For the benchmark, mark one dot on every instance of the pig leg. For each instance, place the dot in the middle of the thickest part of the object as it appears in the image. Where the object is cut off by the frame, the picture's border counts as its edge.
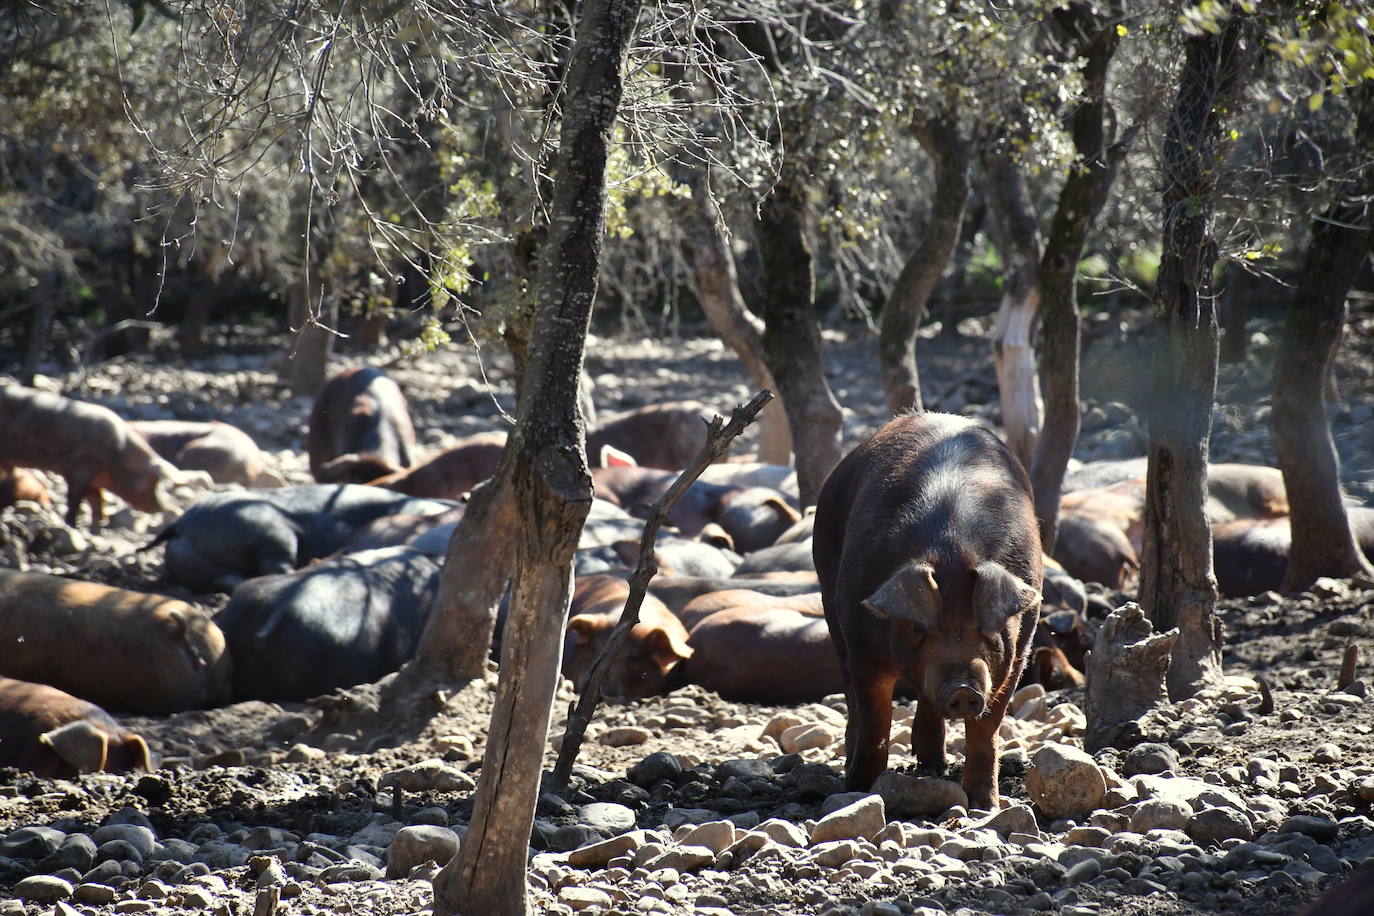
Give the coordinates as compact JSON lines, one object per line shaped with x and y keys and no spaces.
{"x":928,"y":738}
{"x":980,"y":755}
{"x":870,"y":728}
{"x":79,"y":489}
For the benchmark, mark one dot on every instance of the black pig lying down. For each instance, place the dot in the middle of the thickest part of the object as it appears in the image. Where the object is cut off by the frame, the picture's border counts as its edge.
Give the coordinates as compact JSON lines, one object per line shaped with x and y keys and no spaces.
{"x":229,"y":537}
{"x":347,"y":620}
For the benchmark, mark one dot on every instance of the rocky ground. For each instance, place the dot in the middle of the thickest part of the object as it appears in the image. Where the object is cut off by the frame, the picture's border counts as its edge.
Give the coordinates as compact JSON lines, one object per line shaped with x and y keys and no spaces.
{"x":689,"y":804}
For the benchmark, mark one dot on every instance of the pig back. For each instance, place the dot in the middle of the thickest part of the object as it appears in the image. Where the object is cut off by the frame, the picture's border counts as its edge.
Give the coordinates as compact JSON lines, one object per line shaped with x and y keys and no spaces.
{"x":127,"y":651}
{"x":925,"y":486}
{"x":345,"y":621}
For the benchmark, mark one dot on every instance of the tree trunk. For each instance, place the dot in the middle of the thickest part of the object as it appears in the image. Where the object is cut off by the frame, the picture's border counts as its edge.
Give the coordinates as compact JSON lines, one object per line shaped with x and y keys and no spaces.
{"x":311,"y":344}
{"x":906,"y":304}
{"x":715,"y":283}
{"x":953,"y":304}
{"x":1017,"y":233}
{"x":39,"y":328}
{"x":1125,"y":674}
{"x":792,"y":336}
{"x":1235,"y":339}
{"x":1323,"y":543}
{"x":547,"y":467}
{"x":1080,"y":200}
{"x":1177,"y":587}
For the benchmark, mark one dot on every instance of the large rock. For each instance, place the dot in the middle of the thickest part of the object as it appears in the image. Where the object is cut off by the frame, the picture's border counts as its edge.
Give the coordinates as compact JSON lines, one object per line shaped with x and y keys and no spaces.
{"x":918,"y":796}
{"x":1157,"y":813}
{"x":864,"y":819}
{"x":414,"y":845}
{"x":1212,"y":825}
{"x":1064,"y":781}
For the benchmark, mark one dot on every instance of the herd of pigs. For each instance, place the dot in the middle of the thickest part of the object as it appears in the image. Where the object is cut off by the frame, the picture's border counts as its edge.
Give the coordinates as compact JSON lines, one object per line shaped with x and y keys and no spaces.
{"x":331,"y":584}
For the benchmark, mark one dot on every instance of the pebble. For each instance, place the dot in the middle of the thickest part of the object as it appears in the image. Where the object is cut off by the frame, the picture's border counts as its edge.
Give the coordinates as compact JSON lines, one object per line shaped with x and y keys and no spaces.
{"x":31,"y":842}
{"x":140,"y":838}
{"x":864,"y":818}
{"x":597,"y":855}
{"x":624,"y":736}
{"x":1149,"y":759}
{"x":1064,"y":781}
{"x":918,"y":796}
{"x":607,"y":817}
{"x":94,"y":894}
{"x":414,"y":845}
{"x":42,"y":889}
{"x":1213,"y":826}
{"x":1160,"y":813}
{"x":716,"y":836}
{"x":1327,"y":753}
{"x":806,"y":736}
{"x":654,"y":768}
{"x":1320,"y":829}
{"x":1013,"y":819}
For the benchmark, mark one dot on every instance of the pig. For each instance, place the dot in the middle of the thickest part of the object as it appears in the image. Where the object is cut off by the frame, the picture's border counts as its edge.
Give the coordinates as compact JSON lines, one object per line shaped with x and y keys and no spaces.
{"x":53,"y":734}
{"x":359,"y":414}
{"x":685,"y":558}
{"x":767,"y":653}
{"x":754,"y":517}
{"x":791,"y":557}
{"x":89,"y":445}
{"x":676,"y":592}
{"x":229,"y":537}
{"x":18,"y":484}
{"x":1244,"y":491}
{"x":648,"y":661}
{"x":806,"y":603}
{"x":225,"y":452}
{"x":1051,"y":669}
{"x":929,"y":559}
{"x":347,"y":620}
{"x":452,"y":473}
{"x":666,"y":436}
{"x":1094,"y":550}
{"x":1250,"y":556}
{"x":427,"y":533}
{"x":779,"y":477}
{"x":127,"y":651}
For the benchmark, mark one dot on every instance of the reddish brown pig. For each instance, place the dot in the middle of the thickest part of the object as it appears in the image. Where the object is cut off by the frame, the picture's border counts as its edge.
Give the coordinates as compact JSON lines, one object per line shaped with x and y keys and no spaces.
{"x":361,"y":424}
{"x":764,"y":654}
{"x":808,"y":604}
{"x":451,"y":473}
{"x":127,"y":651}
{"x":18,"y":484}
{"x":53,"y":734}
{"x":929,"y":559}
{"x":1095,"y":550}
{"x":225,"y":452}
{"x":648,"y":661}
{"x":666,"y":436}
{"x":679,"y":591}
{"x":1051,"y":669}
{"x":87,"y":444}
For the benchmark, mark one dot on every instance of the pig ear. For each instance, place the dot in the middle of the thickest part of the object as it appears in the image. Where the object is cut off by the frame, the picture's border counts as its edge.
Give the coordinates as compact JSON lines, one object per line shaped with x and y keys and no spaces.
{"x":910,"y":594}
{"x":999,"y":596}
{"x":584,"y":627}
{"x":1060,"y":622}
{"x":666,"y":649}
{"x":785,"y":511}
{"x":716,"y":536}
{"x":80,"y":744}
{"x":178,"y":621}
{"x":130,"y":753}
{"x":612,"y":457}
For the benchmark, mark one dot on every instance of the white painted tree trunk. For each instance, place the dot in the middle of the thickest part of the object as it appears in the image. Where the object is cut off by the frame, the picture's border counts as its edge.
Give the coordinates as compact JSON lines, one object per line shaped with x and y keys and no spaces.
{"x":1017,"y":382}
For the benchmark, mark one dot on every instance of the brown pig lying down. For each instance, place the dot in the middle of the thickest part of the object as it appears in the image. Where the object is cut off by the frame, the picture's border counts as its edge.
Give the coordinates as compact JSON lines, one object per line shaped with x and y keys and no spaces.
{"x":53,"y":734}
{"x":360,"y":428}
{"x":666,"y":436}
{"x":765,"y":653}
{"x":451,"y":473}
{"x":647,"y":662}
{"x":89,"y":445}
{"x":127,"y":651}
{"x":1250,"y":556}
{"x":225,"y":452}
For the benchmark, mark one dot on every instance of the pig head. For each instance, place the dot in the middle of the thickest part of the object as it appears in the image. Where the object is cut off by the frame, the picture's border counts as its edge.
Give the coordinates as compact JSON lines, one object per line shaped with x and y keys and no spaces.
{"x":929,"y":560}
{"x":53,"y":734}
{"x":648,"y":661}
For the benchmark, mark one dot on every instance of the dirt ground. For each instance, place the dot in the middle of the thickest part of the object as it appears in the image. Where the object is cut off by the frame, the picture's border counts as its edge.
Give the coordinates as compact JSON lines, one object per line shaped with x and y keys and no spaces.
{"x":254,"y":767}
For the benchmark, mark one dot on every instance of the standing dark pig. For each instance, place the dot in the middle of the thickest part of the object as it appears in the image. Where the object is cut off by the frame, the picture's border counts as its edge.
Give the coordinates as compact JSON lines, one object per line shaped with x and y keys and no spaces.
{"x":360,"y":428}
{"x":930,"y":567}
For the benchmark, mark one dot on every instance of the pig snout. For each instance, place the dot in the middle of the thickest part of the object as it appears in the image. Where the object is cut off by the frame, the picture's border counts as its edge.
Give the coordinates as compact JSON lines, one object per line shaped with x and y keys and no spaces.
{"x":964,"y":701}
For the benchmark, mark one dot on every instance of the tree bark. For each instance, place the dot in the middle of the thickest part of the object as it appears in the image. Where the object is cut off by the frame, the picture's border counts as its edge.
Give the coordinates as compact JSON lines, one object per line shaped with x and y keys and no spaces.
{"x":1016,"y":231}
{"x":1235,"y":338}
{"x":39,"y":328}
{"x":906,"y":304}
{"x":715,"y":283}
{"x":547,"y":467}
{"x":1177,"y":587}
{"x":1125,"y":674}
{"x":792,"y":336}
{"x":1080,"y":200}
{"x":1323,"y":543}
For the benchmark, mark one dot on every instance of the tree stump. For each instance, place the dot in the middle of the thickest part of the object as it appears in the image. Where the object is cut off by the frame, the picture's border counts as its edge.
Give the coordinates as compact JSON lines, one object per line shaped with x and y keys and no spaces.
{"x":1125,"y":673}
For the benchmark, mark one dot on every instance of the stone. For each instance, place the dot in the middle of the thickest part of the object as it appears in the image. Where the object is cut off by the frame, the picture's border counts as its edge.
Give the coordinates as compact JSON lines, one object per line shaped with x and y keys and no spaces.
{"x":31,"y":842}
{"x":1321,"y":829}
{"x":42,"y":889}
{"x":596,"y":855}
{"x":1212,"y":826}
{"x":1064,"y":781}
{"x":584,"y":898}
{"x":104,"y":872}
{"x":1086,"y":835}
{"x":744,"y":768}
{"x":655,"y":768}
{"x":218,"y":854}
{"x":716,"y":836}
{"x":1150,"y":759}
{"x":918,"y":796}
{"x":684,"y":858}
{"x":834,"y":854}
{"x":94,"y":894}
{"x":1166,"y":813}
{"x":433,"y":816}
{"x":77,"y":851}
{"x":1014,"y":819}
{"x":864,"y":819}
{"x":431,"y":775}
{"x":784,"y":833}
{"x":806,"y":736}
{"x":1327,"y":753}
{"x":840,"y":800}
{"x":419,"y":843}
{"x":624,"y":736}
{"x":140,"y":838}
{"x":119,"y":851}
{"x":607,"y":818}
